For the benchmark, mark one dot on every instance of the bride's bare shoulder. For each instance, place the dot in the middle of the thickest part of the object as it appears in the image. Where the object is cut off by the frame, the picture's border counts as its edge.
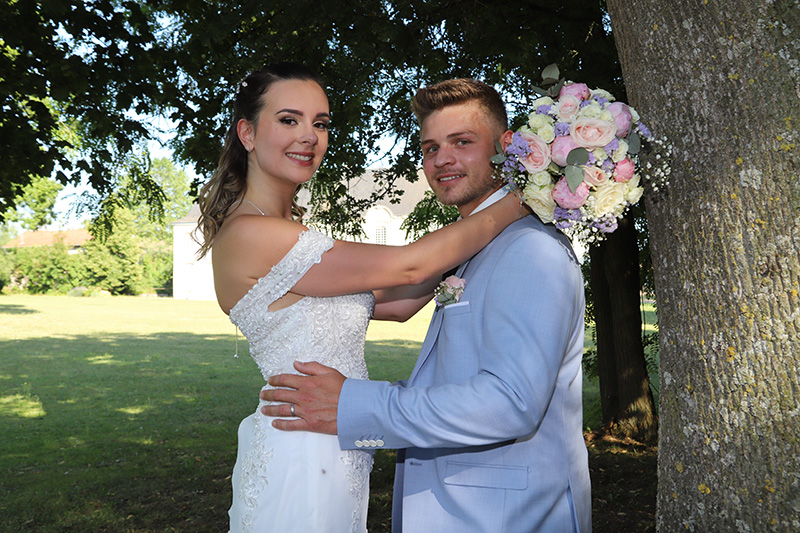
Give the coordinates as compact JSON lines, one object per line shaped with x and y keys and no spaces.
{"x":264,"y":240}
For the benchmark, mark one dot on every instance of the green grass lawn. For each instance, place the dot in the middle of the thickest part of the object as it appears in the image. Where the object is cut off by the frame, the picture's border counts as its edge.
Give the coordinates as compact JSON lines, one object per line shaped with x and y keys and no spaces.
{"x":120,"y":414}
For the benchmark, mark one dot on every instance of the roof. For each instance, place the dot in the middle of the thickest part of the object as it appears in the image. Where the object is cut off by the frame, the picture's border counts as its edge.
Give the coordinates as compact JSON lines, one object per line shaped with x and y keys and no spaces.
{"x":70,"y":237}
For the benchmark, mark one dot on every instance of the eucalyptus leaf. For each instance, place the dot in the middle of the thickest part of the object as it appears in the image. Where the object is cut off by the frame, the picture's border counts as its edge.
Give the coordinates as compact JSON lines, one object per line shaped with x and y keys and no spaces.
{"x":634,"y":143}
{"x":557,"y":88}
{"x":574,"y":176}
{"x":540,"y":91}
{"x":500,"y":157}
{"x":578,"y":156}
{"x":550,"y":72}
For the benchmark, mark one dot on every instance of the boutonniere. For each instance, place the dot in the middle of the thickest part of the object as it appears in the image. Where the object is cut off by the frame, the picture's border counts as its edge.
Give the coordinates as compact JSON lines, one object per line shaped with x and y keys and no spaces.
{"x":450,"y":290}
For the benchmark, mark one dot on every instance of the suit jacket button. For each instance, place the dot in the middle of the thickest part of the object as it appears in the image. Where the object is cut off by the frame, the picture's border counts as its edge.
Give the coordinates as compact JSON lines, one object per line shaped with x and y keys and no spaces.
{"x":372,"y":443}
{"x":379,"y":442}
{"x":359,"y":444}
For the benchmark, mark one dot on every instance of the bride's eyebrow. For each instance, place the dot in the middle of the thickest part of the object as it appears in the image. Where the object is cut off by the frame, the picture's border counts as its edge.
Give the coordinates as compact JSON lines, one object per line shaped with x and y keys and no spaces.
{"x":300,"y":113}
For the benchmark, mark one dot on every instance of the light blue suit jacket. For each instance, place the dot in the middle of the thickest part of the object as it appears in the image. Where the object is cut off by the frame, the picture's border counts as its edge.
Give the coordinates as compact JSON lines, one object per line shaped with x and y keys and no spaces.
{"x":489,"y":425}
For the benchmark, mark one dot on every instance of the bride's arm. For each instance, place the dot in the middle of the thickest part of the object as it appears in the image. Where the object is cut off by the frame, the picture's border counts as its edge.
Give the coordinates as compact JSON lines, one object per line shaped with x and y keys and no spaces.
{"x":354,"y":267}
{"x":401,"y":303}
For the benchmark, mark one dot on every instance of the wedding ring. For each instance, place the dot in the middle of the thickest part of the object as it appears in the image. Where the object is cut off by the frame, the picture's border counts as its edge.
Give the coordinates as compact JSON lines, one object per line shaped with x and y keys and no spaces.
{"x":291,"y":409}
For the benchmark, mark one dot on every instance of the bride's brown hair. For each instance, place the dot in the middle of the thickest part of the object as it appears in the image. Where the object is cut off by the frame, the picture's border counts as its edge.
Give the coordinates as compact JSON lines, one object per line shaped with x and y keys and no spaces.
{"x":229,"y":183}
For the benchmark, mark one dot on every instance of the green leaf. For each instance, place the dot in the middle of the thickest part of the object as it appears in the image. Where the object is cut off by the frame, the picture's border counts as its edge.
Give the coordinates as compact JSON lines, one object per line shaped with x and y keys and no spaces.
{"x":541,"y":91}
{"x":500,"y":157}
{"x":574,"y":176}
{"x":550,"y":74}
{"x":634,"y":143}
{"x":578,"y":156}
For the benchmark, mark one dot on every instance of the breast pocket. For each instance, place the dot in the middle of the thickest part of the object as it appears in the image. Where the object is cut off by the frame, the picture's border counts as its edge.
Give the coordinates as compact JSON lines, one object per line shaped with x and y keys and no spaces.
{"x":458,"y":308}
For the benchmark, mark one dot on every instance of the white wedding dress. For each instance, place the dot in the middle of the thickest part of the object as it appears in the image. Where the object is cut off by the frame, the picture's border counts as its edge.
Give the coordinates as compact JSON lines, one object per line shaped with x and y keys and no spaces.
{"x":300,"y":481}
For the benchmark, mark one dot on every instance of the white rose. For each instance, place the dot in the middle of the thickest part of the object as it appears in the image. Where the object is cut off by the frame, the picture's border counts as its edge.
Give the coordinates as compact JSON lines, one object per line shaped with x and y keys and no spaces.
{"x":544,"y":100}
{"x":609,"y":198}
{"x":599,"y":154}
{"x":600,"y":93}
{"x":542,"y":125}
{"x":621,"y":152}
{"x":540,"y":200}
{"x":590,"y":111}
{"x":633,"y":193}
{"x":547,"y":133}
{"x":540,"y":179}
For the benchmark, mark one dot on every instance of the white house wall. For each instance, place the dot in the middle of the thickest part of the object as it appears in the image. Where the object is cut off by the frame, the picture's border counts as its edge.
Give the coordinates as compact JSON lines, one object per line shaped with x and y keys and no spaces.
{"x":193,"y":279}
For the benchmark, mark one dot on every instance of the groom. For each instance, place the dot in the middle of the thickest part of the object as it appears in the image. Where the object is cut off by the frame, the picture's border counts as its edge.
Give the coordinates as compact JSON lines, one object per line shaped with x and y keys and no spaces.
{"x":489,"y":425}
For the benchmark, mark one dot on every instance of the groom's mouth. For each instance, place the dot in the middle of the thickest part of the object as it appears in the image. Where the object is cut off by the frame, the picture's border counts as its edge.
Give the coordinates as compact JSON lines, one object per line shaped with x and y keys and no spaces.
{"x":449,"y":177}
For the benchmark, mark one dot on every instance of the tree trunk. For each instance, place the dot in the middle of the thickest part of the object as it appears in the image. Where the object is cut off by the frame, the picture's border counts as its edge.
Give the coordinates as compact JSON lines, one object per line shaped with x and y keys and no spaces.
{"x":627,"y":403}
{"x":720,"y":80}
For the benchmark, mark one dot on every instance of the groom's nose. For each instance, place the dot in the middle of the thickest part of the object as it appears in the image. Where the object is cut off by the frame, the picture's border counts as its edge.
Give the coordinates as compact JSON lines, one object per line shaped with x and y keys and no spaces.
{"x":444,"y":156}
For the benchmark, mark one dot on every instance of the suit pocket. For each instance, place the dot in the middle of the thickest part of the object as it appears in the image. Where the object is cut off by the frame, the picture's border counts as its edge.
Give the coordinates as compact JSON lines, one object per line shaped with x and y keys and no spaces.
{"x":458,"y":308}
{"x":484,"y":475}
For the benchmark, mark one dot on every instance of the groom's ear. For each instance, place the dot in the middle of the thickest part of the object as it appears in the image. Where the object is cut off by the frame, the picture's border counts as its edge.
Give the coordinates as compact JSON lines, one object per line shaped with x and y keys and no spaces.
{"x":505,"y":139}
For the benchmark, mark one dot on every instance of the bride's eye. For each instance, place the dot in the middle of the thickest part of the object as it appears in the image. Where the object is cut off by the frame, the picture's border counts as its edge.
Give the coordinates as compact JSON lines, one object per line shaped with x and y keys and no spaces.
{"x":289,"y":121}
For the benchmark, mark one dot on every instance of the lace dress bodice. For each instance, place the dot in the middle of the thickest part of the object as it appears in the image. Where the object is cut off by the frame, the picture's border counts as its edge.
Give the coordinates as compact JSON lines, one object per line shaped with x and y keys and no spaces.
{"x":300,"y":481}
{"x":329,"y":330}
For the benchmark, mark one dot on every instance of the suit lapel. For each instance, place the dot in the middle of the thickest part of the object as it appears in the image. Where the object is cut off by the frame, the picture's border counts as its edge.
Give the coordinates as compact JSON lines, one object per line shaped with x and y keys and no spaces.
{"x":433,"y":331}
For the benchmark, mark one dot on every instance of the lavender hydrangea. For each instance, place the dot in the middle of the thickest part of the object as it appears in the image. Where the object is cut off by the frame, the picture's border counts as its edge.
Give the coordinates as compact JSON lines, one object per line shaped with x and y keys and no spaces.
{"x":606,"y":224}
{"x":566,"y":218}
{"x":561,"y":129}
{"x":515,"y":152}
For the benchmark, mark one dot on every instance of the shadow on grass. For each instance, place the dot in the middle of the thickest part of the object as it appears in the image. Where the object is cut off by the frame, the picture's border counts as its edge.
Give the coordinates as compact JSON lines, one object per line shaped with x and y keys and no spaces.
{"x":15,"y":309}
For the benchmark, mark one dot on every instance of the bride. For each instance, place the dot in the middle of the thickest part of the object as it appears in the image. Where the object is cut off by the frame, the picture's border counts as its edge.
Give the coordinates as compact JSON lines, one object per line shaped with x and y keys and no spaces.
{"x":297,"y":294}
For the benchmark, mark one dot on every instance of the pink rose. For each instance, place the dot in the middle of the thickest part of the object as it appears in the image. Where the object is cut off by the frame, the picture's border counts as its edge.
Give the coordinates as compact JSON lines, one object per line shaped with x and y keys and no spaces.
{"x":568,"y":106}
{"x":594,"y":176}
{"x":623,"y":170}
{"x":539,"y":158}
{"x":592,"y":132}
{"x":578,"y":90}
{"x":456,"y":282}
{"x":622,"y":118}
{"x":567,"y":199}
{"x":561,"y":148}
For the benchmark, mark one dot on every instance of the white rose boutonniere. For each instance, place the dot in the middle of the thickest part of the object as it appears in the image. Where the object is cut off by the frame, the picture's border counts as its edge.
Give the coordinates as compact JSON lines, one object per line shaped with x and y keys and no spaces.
{"x":449,"y":291}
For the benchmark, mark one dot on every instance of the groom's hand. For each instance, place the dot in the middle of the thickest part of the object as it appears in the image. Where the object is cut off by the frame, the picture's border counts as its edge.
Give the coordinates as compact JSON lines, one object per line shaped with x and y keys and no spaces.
{"x":315,"y":397}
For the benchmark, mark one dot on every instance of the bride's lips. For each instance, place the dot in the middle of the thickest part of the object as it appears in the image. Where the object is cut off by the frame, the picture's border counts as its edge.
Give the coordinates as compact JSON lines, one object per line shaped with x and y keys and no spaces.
{"x":301,"y":158}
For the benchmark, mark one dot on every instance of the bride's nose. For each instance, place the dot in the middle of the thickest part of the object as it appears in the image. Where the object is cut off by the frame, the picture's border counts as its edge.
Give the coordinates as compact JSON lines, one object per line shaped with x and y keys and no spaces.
{"x":309,"y":136}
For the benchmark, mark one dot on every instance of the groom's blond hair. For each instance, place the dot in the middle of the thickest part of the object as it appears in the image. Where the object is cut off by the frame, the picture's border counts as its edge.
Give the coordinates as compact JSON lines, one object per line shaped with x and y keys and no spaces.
{"x":459,"y":91}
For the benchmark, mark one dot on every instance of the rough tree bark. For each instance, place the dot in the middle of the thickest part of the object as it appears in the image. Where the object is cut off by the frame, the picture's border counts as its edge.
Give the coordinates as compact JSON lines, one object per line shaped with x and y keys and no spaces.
{"x":627,"y":405}
{"x":721,"y":79}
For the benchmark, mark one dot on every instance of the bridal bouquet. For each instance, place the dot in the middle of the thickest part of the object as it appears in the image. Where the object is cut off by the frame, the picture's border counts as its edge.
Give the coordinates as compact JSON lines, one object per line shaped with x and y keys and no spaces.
{"x":575,"y":160}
